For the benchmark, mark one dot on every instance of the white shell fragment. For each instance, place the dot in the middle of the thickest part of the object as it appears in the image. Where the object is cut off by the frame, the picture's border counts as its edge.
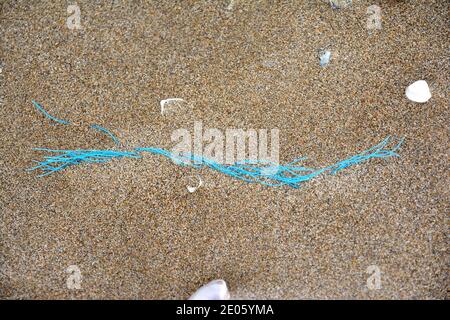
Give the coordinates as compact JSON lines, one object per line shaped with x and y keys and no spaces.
{"x":214,"y":290}
{"x":163,"y":102}
{"x":193,"y":189}
{"x":418,"y":92}
{"x":325,"y":58}
{"x":339,"y":4}
{"x":230,"y":5}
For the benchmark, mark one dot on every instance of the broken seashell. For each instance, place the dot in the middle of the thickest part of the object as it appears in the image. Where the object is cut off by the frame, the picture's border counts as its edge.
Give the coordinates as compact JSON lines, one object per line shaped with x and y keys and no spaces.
{"x":193,"y":189}
{"x":325,"y":57}
{"x":418,"y":91}
{"x":339,"y":4}
{"x":214,"y":290}
{"x":163,"y":102}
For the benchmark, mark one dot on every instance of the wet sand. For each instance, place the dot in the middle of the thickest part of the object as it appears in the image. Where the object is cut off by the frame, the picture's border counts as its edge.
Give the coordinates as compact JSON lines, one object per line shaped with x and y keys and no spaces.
{"x":131,"y":226}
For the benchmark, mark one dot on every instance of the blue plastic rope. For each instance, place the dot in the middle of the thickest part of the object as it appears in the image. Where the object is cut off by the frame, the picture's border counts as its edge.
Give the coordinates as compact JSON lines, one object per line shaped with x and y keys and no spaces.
{"x":252,"y":171}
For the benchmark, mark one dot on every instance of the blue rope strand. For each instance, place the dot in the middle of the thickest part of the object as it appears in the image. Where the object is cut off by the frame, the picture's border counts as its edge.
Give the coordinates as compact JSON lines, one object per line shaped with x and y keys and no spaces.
{"x":99,"y":128}
{"x":94,"y":126}
{"x":48,"y":115}
{"x":253,"y":171}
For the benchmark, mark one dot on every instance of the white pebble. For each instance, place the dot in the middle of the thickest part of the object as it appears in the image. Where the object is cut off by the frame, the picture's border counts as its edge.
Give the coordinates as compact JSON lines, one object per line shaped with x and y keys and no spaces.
{"x":418,"y":92}
{"x":214,"y":290}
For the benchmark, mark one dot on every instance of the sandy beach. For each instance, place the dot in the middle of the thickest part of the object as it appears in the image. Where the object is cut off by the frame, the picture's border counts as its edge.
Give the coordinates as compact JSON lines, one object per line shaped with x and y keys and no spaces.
{"x":131,"y":227}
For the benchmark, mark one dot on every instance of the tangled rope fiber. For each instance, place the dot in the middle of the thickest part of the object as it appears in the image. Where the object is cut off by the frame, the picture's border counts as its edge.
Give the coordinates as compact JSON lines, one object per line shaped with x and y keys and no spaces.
{"x":256,"y":171}
{"x":253,"y":171}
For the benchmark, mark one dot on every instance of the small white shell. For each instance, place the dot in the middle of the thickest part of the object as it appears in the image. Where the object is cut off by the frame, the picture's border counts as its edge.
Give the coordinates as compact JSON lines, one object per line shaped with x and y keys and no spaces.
{"x":193,"y":189}
{"x":325,"y":58}
{"x":214,"y":290}
{"x":163,"y":102}
{"x":418,"y":92}
{"x":338,"y":4}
